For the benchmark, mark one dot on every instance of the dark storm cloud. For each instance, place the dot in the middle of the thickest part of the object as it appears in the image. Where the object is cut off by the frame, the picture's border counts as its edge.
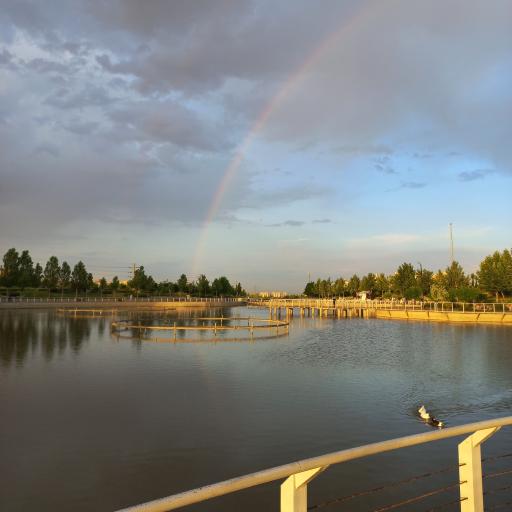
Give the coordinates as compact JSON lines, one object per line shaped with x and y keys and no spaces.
{"x":418,"y":74}
{"x":166,"y":121}
{"x":6,"y":59}
{"x":195,"y":47}
{"x":81,"y":127}
{"x":130,"y":111}
{"x":477,"y":174}
{"x":292,"y":223}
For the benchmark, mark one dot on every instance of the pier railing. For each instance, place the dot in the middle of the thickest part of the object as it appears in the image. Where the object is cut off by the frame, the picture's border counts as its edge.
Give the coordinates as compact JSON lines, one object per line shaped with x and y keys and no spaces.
{"x":469,"y":307}
{"x":298,"y":475}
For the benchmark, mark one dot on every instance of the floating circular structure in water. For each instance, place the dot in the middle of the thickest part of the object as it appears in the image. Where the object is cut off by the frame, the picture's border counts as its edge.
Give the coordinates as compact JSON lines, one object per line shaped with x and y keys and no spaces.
{"x":87,"y":313}
{"x":92,"y":313}
{"x":219,"y":329}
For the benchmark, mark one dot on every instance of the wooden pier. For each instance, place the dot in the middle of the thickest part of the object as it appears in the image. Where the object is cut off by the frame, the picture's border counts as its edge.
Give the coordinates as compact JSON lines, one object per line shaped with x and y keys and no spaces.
{"x":497,"y":313}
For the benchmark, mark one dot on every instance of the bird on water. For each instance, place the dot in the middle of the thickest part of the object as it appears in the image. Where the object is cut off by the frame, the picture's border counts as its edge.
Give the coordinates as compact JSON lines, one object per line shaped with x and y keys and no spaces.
{"x":431,"y":420}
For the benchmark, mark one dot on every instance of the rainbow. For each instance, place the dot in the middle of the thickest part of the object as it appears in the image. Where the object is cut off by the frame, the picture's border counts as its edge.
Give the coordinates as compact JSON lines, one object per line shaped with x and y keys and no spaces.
{"x":291,"y":82}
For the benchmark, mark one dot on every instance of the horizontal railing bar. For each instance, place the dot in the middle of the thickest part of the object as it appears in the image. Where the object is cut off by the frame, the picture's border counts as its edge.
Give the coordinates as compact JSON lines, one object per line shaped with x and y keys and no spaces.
{"x":280,"y":472}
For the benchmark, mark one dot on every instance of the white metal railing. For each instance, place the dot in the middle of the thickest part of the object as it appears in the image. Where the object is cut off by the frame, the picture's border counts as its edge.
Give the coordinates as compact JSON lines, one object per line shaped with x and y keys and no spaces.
{"x":299,"y":474}
{"x":339,"y":302}
{"x":60,"y":300}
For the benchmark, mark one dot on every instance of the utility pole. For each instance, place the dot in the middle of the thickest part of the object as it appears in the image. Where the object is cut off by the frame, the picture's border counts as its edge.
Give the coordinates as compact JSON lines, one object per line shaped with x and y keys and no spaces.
{"x":451,"y":243}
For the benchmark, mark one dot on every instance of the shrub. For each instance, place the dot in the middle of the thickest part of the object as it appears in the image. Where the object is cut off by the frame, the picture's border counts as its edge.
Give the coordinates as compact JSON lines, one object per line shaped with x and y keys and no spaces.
{"x":438,"y":292}
{"x":414,"y":292}
{"x":465,"y":294}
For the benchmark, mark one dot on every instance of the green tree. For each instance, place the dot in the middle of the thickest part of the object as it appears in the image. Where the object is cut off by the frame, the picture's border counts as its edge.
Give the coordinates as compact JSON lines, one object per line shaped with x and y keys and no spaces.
{"x":404,"y":278}
{"x":26,"y":271}
{"x":310,"y":289}
{"x":414,"y":292}
{"x":165,"y":287}
{"x":102,"y":285}
{"x":424,"y":280}
{"x":203,"y":286}
{"x":140,"y":281}
{"x":114,"y":285}
{"x":80,"y":278}
{"x":438,"y":291}
{"x":51,"y":273}
{"x":465,"y":294}
{"x":324,"y":287}
{"x":495,"y":273}
{"x":90,"y":282}
{"x":65,"y":276}
{"x":239,"y":291}
{"x":369,"y":283}
{"x":381,"y":284}
{"x":11,"y":268}
{"x":454,"y":276}
{"x":182,"y":283}
{"x":222,"y":286}
{"x":38,"y":275}
{"x":338,"y":287}
{"x":354,"y":285}
{"x":191,"y":288}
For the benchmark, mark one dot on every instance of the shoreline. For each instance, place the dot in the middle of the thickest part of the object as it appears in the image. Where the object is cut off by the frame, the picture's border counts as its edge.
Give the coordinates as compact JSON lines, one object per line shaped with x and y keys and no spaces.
{"x":160,"y":304}
{"x":445,"y":317}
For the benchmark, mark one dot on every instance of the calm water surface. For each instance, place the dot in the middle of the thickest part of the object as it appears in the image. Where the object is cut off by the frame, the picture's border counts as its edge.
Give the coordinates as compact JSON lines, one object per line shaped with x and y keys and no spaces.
{"x":92,"y":423}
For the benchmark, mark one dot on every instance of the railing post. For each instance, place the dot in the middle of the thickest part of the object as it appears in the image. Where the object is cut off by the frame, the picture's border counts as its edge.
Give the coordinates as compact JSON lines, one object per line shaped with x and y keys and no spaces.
{"x":294,"y":490}
{"x":470,"y":470}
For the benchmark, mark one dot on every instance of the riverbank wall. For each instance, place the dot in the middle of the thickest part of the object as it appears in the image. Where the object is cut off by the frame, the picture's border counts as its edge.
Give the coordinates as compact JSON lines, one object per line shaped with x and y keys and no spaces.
{"x":124,"y":305}
{"x":443,"y":316}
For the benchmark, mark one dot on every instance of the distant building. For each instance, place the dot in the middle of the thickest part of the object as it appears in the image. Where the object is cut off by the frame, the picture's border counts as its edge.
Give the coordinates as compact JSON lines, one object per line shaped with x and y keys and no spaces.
{"x":274,"y":295}
{"x":364,"y":295}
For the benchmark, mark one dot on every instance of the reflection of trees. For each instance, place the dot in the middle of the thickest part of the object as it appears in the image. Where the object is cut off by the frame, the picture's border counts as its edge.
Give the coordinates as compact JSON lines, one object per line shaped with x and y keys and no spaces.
{"x":17,"y":334}
{"x":102,"y":324}
{"x":21,"y":331}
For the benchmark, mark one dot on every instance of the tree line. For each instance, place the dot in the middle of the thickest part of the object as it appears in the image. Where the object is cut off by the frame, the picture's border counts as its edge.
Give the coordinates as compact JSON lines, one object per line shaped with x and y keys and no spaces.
{"x":494,"y":276}
{"x":18,"y":271}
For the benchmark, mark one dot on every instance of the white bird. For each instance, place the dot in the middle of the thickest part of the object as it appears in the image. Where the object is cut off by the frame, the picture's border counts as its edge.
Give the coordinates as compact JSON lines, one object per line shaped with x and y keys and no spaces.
{"x":431,"y":420}
{"x":423,"y":413}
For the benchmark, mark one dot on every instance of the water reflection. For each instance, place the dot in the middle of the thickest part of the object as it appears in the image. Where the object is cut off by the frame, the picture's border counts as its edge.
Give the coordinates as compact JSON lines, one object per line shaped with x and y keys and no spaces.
{"x":194,"y":325}
{"x":130,"y":421}
{"x":26,"y":332}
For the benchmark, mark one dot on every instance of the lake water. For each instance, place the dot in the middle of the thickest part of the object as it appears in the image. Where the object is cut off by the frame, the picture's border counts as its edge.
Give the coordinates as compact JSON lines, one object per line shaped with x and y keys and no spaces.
{"x":89,"y":422}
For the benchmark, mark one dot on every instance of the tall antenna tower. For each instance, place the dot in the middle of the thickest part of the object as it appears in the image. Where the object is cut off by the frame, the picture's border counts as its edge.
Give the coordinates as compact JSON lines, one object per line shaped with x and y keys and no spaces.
{"x":451,"y":243}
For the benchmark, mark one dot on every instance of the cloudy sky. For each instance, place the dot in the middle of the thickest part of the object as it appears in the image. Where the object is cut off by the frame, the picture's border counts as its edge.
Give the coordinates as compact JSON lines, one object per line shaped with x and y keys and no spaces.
{"x":257,"y":139}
